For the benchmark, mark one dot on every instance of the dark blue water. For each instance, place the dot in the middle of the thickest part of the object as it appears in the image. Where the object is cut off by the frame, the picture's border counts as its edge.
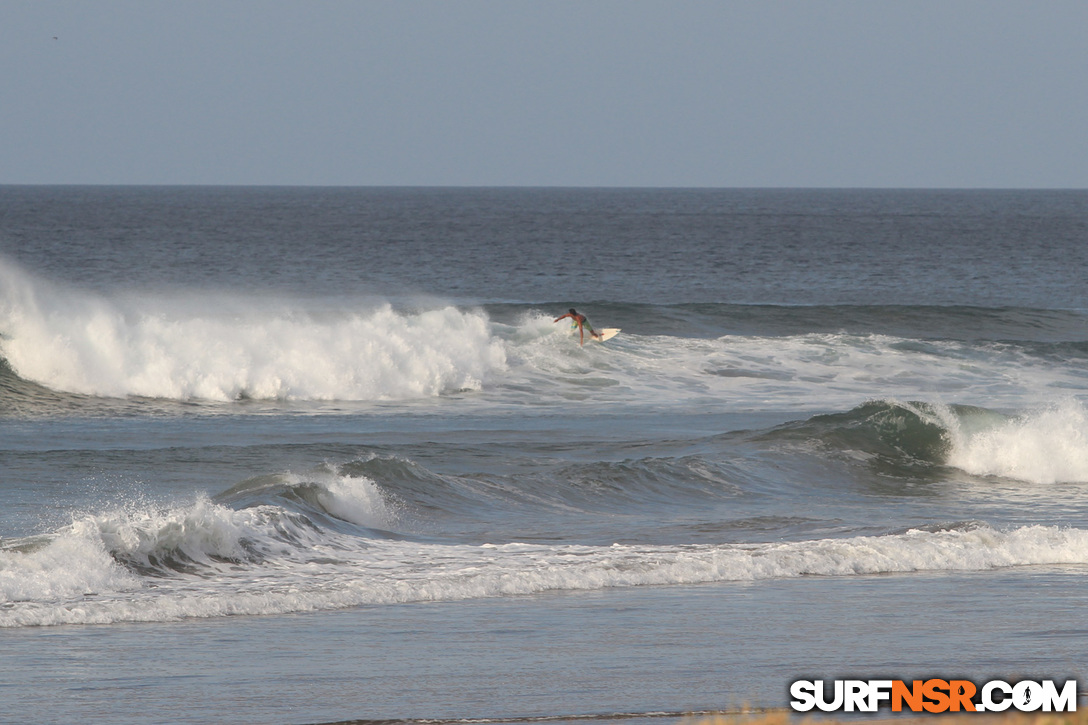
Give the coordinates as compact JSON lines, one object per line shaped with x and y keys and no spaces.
{"x":308,"y":455}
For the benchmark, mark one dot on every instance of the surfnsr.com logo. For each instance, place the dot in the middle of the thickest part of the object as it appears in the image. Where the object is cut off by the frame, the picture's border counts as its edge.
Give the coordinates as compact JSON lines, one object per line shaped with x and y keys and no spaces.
{"x":933,"y":695}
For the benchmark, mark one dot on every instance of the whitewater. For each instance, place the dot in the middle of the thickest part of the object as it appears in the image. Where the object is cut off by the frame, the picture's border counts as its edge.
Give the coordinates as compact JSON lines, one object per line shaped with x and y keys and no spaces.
{"x":227,"y":347}
{"x":348,"y":457}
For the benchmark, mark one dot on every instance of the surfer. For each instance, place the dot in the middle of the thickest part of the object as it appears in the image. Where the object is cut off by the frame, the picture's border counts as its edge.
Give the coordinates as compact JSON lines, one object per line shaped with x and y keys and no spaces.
{"x":580,"y":322}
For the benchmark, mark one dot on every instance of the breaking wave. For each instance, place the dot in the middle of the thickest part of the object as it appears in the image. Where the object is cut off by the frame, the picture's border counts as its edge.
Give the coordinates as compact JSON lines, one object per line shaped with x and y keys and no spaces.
{"x":1047,"y":445}
{"x":210,"y":561}
{"x":335,"y":538}
{"x":222,"y":347}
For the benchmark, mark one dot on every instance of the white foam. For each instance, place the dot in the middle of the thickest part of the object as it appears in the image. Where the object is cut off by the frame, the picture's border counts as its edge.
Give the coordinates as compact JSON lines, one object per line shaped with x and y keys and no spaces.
{"x":838,"y":370}
{"x":67,"y":568}
{"x":82,"y":558}
{"x":825,"y":371}
{"x":203,"y":532}
{"x":225,"y":347}
{"x":355,"y":499}
{"x":222,"y":347}
{"x":1046,"y":446}
{"x":338,"y":574}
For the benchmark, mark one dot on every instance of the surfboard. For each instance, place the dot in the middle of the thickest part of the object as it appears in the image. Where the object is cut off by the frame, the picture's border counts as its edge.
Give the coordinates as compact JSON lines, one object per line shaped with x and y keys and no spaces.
{"x":607,"y":333}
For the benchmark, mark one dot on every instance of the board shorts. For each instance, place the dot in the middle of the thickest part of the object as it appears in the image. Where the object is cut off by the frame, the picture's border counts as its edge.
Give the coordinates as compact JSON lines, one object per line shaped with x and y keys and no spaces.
{"x":585,"y":324}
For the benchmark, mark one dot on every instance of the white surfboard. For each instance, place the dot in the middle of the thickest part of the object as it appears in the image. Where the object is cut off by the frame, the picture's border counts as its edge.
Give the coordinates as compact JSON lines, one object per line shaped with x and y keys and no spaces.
{"x":607,"y":333}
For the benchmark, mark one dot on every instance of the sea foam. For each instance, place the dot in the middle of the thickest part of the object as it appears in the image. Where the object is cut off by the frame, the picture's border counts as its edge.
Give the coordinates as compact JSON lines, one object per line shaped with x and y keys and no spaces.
{"x":337,"y":574}
{"x":1044,"y":446}
{"x":225,"y":347}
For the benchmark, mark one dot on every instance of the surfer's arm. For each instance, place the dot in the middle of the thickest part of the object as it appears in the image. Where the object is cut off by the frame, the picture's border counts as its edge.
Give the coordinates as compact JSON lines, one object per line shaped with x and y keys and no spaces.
{"x":561,"y":317}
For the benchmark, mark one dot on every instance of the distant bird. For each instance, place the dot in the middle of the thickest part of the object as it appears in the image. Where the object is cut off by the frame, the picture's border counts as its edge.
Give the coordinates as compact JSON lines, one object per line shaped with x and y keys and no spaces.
{"x":54,"y":37}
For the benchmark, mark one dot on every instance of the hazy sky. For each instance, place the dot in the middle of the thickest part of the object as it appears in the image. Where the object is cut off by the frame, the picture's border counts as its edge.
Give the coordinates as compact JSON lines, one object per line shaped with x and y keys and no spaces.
{"x":912,"y":93}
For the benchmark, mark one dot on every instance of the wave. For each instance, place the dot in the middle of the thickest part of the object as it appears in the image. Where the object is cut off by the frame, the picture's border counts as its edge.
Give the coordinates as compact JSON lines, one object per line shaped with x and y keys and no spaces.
{"x":225,"y":347}
{"x":562,"y":488}
{"x":1042,"y":446}
{"x":60,"y":347}
{"x":378,"y":530}
{"x":921,"y":322}
{"x":895,"y":433}
{"x":210,"y":560}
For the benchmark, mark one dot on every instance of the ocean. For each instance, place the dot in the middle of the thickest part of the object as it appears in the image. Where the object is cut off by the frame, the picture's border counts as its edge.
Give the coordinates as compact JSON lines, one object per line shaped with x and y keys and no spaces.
{"x":317,"y":455}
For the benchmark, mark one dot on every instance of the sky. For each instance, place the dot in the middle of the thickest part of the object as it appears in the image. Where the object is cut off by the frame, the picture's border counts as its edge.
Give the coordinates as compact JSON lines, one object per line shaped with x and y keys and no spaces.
{"x":761,"y":93}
